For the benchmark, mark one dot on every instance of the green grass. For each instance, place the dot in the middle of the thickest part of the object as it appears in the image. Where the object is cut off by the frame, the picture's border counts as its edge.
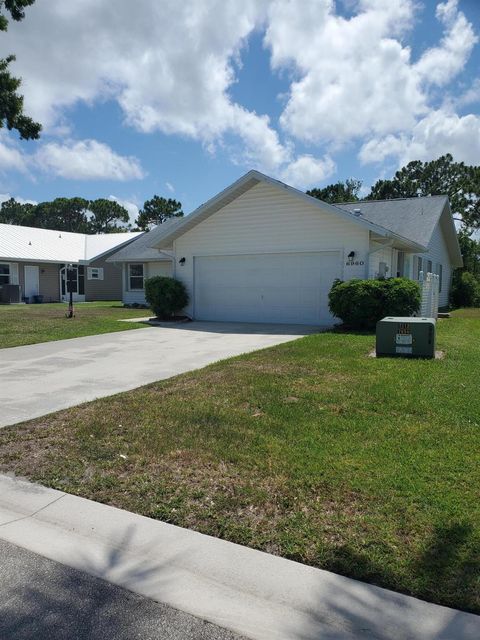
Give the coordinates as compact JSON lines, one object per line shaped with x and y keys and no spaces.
{"x":28,"y":324}
{"x":310,"y":450}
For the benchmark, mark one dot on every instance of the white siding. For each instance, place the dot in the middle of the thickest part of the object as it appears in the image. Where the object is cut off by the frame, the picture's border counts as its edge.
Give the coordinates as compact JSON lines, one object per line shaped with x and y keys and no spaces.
{"x":150,"y":269}
{"x":266,"y":219}
{"x":438,"y":254}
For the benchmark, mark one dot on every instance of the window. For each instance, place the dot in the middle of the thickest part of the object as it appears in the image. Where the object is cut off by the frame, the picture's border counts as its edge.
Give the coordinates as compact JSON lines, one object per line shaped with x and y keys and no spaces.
{"x":95,"y":273}
{"x":135,"y":276}
{"x":4,"y":273}
{"x":429,"y":266}
{"x":440,"y":276}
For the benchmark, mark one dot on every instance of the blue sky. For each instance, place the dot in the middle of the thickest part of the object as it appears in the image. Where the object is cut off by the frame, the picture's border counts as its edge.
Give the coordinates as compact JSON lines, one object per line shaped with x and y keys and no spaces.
{"x":180,"y":100}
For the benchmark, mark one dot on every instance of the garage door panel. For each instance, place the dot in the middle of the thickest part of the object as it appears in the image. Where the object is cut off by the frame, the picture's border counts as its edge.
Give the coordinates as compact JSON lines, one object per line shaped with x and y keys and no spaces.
{"x":290,"y":287}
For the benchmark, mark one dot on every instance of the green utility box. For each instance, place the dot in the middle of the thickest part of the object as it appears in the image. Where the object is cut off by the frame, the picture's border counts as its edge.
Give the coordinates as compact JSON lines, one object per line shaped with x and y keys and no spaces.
{"x":406,"y":337}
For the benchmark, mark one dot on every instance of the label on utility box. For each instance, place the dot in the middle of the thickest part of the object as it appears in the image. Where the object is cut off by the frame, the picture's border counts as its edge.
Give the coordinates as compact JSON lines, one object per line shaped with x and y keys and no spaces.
{"x":403,"y":338}
{"x":404,"y":350}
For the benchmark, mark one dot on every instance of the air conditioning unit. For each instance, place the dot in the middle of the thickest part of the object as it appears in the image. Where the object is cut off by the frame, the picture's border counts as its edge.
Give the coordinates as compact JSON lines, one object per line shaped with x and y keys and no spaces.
{"x":406,"y":337}
{"x":10,"y":293}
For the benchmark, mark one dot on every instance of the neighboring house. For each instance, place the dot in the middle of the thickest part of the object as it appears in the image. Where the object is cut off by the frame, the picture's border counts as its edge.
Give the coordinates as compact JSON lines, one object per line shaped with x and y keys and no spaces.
{"x":261,"y":251}
{"x":36,"y":260}
{"x":139,"y":261}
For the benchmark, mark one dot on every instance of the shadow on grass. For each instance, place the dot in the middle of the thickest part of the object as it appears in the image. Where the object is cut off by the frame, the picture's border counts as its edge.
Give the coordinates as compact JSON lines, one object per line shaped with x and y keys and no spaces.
{"x":449,"y":570}
{"x":41,"y":599}
{"x":350,"y":331}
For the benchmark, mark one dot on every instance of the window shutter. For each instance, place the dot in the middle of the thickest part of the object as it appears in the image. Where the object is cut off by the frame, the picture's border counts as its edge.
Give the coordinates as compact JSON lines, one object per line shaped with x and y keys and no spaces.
{"x":100,"y":273}
{"x":89,"y":273}
{"x":14,"y":273}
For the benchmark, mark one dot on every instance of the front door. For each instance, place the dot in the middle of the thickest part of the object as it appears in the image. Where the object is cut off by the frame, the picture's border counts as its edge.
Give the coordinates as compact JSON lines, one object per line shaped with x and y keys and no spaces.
{"x":32,"y":281}
{"x":78,"y":284}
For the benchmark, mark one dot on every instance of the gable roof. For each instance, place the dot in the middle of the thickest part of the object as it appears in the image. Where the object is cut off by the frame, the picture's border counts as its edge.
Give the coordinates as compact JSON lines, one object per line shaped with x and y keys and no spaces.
{"x":412,"y":217}
{"x":141,"y":250}
{"x":251,"y":179}
{"x":46,"y":245}
{"x":415,"y":218}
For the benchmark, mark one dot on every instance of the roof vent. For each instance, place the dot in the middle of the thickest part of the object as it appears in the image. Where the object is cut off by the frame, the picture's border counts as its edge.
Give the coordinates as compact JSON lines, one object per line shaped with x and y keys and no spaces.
{"x":357,"y":212}
{"x":30,"y":243}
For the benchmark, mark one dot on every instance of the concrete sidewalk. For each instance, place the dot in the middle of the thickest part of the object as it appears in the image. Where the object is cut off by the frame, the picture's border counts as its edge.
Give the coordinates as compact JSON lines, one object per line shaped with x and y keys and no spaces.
{"x":41,"y":378}
{"x":257,"y":595}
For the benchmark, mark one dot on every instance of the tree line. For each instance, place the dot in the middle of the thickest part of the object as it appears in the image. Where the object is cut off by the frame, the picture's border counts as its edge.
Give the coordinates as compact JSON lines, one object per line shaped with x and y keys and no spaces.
{"x":88,"y":216}
{"x":444,"y":176}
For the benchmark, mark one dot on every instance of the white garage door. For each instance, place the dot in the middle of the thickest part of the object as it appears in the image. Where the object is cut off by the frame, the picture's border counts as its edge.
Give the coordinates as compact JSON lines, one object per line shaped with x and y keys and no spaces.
{"x":281,"y":287}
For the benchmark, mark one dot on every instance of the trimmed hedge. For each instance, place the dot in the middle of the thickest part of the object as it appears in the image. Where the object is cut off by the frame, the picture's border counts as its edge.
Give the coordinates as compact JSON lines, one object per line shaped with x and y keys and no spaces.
{"x":362,"y":303}
{"x":165,"y":296}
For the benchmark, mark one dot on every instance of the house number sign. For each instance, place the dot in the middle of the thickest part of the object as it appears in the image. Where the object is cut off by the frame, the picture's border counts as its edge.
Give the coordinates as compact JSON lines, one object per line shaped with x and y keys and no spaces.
{"x":354,"y":263}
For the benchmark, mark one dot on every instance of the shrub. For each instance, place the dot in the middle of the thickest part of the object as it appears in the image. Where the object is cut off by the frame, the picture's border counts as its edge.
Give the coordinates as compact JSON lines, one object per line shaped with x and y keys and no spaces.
{"x":166,"y":296}
{"x":362,"y":303}
{"x":465,"y":290}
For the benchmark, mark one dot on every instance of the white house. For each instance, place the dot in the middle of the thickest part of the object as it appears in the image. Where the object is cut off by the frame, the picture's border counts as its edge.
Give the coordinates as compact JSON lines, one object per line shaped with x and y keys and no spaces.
{"x":34,"y":261}
{"x":262,"y":251}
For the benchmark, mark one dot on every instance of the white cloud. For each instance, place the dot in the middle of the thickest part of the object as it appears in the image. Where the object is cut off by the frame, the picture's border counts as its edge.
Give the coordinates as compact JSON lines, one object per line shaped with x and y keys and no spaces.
{"x":306,"y":171}
{"x":439,"y":65}
{"x":6,"y":196}
{"x":355,"y":77}
{"x":436,"y":134}
{"x":130,"y":206}
{"x":470,"y":95}
{"x":87,"y":160}
{"x":170,"y":66}
{"x":174,"y":79}
{"x":170,"y":187}
{"x":11,"y":156}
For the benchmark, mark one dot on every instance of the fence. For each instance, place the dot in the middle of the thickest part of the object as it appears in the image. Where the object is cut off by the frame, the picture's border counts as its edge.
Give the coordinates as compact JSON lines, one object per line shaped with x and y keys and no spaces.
{"x":429,"y":286}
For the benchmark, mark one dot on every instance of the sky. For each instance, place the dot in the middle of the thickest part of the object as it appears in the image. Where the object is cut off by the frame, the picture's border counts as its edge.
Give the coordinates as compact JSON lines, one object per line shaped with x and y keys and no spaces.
{"x":180,"y":99}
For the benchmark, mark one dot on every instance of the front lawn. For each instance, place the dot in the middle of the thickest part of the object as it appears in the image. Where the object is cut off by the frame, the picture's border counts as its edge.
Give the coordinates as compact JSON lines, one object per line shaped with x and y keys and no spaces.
{"x":30,"y":323}
{"x":310,"y":450}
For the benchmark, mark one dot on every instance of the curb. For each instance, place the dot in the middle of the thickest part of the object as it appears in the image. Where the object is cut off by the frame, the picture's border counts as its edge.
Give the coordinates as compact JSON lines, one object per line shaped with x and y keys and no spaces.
{"x":255,"y":594}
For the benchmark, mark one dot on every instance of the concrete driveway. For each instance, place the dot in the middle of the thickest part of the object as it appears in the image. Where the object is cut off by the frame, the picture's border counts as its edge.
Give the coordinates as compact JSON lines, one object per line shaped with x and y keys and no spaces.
{"x":41,"y":378}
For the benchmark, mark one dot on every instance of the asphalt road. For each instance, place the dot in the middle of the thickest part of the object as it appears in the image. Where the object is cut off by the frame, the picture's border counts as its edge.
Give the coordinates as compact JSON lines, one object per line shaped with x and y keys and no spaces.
{"x":41,"y":599}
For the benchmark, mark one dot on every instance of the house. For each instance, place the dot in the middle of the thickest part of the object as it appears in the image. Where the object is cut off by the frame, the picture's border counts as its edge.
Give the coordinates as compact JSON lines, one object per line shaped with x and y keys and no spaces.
{"x":36,"y":260}
{"x":262,"y":251}
{"x":139,"y":261}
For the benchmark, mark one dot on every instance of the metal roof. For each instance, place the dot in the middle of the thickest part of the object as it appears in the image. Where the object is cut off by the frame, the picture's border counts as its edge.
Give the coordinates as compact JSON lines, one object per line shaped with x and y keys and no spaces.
{"x":45,"y":245}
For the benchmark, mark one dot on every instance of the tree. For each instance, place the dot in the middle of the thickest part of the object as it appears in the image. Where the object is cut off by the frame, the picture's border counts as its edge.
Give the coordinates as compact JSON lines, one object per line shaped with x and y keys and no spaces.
{"x":340,"y":192}
{"x":470,"y":249}
{"x":11,"y":103}
{"x":460,"y":182}
{"x":106,"y":214}
{"x":63,"y":214}
{"x":157,"y":211}
{"x":13,"y":212}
